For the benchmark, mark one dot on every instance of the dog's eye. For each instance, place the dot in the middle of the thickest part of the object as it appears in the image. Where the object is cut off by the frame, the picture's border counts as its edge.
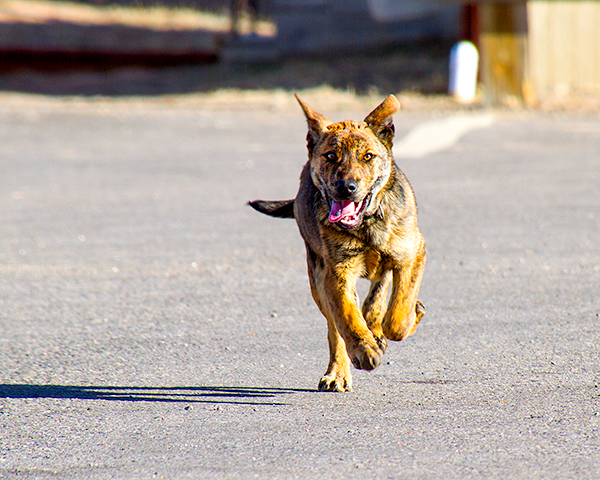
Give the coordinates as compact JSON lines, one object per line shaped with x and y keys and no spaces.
{"x":330,"y":156}
{"x":367,"y":157}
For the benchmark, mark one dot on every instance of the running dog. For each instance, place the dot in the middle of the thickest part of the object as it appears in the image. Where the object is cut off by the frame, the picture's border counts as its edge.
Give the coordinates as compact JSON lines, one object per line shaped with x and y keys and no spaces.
{"x":357,"y":214}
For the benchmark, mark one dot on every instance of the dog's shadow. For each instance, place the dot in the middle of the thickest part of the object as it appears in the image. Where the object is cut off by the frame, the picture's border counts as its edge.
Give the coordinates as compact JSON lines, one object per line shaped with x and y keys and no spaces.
{"x":199,"y":394}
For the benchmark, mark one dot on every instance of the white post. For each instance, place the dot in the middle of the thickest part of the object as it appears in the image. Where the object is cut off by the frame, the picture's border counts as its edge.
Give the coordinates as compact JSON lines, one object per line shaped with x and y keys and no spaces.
{"x":464,"y":63}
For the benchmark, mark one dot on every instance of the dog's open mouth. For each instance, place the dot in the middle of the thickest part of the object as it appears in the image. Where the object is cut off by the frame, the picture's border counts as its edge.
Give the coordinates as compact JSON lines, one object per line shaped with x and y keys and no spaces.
{"x":348,"y":214}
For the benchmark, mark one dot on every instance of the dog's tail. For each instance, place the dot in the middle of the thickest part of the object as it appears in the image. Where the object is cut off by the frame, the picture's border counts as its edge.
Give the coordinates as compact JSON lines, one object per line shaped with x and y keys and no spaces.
{"x":274,"y":208}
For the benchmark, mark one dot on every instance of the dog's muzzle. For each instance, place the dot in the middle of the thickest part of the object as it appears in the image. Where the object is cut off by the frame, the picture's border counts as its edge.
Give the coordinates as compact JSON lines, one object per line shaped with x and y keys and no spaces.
{"x":348,"y":214}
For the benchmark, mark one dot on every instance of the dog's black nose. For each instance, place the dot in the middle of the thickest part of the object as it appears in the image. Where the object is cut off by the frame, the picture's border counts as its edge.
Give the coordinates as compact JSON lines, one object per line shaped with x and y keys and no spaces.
{"x":345,"y":188}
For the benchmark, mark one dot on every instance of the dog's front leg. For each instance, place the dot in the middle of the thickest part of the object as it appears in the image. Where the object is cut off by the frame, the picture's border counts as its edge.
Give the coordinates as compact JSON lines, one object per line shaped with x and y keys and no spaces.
{"x":338,"y":377}
{"x":339,"y":286}
{"x":404,"y":310}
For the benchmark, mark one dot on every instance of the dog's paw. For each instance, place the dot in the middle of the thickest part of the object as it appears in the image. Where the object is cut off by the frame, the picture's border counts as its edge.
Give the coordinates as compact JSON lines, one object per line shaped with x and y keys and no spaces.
{"x":381,"y":343}
{"x":338,"y":377}
{"x":335,"y":383}
{"x":366,"y":357}
{"x":419,"y":310}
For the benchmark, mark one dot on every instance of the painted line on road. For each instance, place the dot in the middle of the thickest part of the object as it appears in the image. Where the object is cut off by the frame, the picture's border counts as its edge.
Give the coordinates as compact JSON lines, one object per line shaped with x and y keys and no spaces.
{"x":436,"y":135}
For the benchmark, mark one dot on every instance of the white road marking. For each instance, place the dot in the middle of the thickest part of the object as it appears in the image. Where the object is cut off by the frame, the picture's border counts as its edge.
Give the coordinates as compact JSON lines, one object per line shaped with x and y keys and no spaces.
{"x":438,"y":135}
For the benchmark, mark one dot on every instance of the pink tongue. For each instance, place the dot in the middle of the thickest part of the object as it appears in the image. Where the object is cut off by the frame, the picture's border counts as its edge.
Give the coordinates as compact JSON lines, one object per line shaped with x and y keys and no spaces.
{"x":343,"y":209}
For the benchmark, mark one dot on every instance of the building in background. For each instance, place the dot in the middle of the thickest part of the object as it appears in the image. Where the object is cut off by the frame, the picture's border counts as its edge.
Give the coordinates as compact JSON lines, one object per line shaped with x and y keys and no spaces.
{"x":535,"y":49}
{"x":306,"y":27}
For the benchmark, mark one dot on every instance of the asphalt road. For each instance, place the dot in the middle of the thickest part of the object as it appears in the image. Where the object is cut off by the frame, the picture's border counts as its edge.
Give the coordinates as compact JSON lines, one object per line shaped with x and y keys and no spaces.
{"x":153,"y":326}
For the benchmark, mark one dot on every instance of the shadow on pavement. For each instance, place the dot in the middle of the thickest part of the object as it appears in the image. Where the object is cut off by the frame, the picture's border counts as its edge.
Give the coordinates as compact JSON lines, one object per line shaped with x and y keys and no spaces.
{"x":202,"y":394}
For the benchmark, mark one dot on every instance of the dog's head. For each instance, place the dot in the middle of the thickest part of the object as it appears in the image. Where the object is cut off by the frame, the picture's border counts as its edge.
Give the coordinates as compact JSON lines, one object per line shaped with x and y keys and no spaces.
{"x":351,"y":161}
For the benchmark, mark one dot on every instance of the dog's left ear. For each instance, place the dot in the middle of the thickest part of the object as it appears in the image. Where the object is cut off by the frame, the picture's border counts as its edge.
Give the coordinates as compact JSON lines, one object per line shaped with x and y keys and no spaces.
{"x":380,"y":120}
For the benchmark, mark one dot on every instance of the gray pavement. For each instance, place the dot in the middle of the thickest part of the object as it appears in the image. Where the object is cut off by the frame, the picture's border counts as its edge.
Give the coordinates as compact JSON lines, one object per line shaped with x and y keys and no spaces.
{"x":153,"y":326}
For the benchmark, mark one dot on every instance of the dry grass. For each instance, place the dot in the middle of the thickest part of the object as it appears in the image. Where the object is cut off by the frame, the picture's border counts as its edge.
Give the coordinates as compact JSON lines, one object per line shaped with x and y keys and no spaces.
{"x":280,"y":101}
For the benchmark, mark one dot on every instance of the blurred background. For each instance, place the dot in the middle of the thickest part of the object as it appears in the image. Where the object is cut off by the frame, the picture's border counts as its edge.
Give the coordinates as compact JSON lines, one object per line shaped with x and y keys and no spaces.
{"x":532,"y":53}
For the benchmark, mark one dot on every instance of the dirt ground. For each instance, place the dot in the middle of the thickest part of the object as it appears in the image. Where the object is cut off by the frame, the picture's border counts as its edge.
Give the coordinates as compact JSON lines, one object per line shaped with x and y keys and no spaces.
{"x":416,"y":74}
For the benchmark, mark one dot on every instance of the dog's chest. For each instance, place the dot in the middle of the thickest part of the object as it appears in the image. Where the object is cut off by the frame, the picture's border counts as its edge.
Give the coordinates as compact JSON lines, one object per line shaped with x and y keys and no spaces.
{"x":371,"y":261}
{"x":384,"y":241}
{"x":375,"y":234}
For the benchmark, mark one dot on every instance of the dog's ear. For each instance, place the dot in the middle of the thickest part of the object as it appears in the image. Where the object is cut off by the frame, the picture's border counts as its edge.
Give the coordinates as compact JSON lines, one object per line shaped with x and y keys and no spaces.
{"x":317,"y":124}
{"x":380,"y":120}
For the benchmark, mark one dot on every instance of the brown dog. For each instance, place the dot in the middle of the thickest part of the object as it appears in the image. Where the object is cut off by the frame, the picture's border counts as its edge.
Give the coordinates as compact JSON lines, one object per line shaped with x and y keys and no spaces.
{"x":357,"y":215}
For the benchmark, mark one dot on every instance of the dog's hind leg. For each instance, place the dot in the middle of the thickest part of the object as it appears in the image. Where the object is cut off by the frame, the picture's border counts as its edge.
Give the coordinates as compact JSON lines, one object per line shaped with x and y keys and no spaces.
{"x":404,"y":310}
{"x":373,"y":307}
{"x":338,"y":377}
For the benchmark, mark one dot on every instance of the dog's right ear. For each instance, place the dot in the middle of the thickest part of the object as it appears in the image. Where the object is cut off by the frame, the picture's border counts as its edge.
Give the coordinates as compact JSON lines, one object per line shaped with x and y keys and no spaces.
{"x":317,"y":124}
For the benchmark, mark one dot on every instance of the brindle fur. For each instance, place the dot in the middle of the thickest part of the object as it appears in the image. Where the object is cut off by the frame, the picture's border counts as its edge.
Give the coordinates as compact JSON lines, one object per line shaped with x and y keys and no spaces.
{"x":386,"y":247}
